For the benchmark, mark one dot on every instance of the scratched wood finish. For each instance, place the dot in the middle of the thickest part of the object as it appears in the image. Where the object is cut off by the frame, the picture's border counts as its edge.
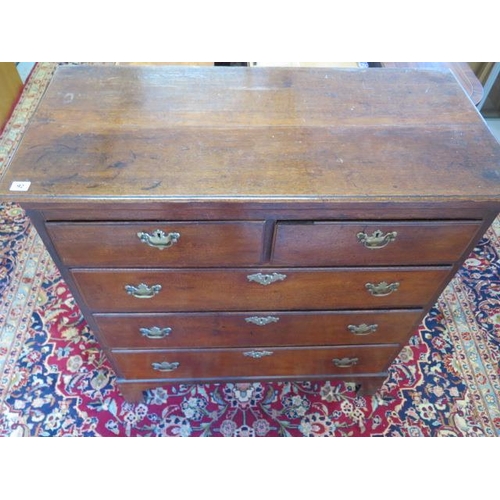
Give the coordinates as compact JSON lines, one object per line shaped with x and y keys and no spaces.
{"x":231,"y":290}
{"x":333,"y":244}
{"x":462,"y":71}
{"x":256,"y":133}
{"x":199,"y":364}
{"x":285,"y":328}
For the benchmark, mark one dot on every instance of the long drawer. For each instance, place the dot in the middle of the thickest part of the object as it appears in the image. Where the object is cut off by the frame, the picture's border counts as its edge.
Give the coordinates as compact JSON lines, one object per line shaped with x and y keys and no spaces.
{"x":158,"y":244}
{"x":247,"y":289}
{"x":278,"y":328}
{"x":371,"y":243}
{"x":271,"y":362}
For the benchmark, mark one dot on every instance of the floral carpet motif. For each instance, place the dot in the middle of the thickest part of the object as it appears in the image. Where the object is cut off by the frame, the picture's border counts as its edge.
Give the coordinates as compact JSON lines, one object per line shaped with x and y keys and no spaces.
{"x":54,"y":380}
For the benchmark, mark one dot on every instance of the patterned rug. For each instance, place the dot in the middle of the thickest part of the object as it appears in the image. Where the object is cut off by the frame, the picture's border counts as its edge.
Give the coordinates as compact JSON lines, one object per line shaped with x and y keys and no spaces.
{"x":54,"y":381}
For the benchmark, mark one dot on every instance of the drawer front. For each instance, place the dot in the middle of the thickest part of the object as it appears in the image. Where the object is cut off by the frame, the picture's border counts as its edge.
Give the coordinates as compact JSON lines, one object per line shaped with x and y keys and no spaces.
{"x":371,"y":243}
{"x":240,"y":290}
{"x":278,"y":328}
{"x":158,"y":244}
{"x":272,"y":362}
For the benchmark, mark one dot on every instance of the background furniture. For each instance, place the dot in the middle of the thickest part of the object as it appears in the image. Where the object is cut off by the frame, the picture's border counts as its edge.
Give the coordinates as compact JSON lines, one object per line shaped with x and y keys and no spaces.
{"x":10,"y":89}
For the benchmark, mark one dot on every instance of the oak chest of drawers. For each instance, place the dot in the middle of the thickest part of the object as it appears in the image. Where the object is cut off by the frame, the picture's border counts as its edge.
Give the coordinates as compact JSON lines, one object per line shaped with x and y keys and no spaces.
{"x":239,"y":224}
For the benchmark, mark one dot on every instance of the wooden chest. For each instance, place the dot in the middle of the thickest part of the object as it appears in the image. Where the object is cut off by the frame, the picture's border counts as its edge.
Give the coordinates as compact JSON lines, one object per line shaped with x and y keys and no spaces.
{"x":239,"y":224}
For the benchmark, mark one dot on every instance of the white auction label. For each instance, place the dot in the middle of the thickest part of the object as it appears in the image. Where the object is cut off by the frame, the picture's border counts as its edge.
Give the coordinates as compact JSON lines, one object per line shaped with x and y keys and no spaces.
{"x":20,"y":186}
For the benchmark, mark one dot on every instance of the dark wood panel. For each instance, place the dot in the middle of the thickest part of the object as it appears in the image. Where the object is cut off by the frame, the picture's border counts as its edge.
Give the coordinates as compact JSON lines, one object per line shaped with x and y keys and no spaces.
{"x":278,"y":328}
{"x":234,"y":362}
{"x":335,"y":244}
{"x":241,"y":209}
{"x":231,"y":290}
{"x":220,"y":244}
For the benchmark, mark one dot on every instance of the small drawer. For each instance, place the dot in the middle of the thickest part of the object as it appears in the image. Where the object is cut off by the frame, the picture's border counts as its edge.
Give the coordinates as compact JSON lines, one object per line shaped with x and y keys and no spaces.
{"x":158,"y":244}
{"x":191,"y":290}
{"x":268,"y":362}
{"x":278,"y":328}
{"x":372,"y":243}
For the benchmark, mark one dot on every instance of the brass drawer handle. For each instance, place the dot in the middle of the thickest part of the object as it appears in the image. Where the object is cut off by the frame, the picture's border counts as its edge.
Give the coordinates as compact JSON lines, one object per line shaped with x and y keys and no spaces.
{"x":257,"y":354}
{"x":345,"y":362}
{"x":262,"y":320}
{"x":155,"y":332}
{"x":143,"y":291}
{"x":159,"y":239}
{"x":377,"y":240}
{"x":165,"y":366}
{"x":266,"y":279}
{"x":362,"y":329}
{"x":382,"y":289}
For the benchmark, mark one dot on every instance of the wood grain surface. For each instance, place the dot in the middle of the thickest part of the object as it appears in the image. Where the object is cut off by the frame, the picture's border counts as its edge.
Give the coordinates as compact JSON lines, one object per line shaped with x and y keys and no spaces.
{"x":231,"y":290}
{"x":285,"y":328}
{"x":285,"y":362}
{"x":337,"y":243}
{"x":219,"y":133}
{"x":219,"y":244}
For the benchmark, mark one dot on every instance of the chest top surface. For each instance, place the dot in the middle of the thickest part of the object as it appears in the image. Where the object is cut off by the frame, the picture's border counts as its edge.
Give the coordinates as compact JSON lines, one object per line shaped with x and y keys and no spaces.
{"x":261,"y":134}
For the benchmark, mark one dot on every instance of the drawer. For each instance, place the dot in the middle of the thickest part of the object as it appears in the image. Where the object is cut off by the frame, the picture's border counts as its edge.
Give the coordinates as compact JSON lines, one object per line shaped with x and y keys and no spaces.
{"x":158,"y":244}
{"x":250,"y":290}
{"x":371,"y":243}
{"x":279,"y":328}
{"x":269,"y":362}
